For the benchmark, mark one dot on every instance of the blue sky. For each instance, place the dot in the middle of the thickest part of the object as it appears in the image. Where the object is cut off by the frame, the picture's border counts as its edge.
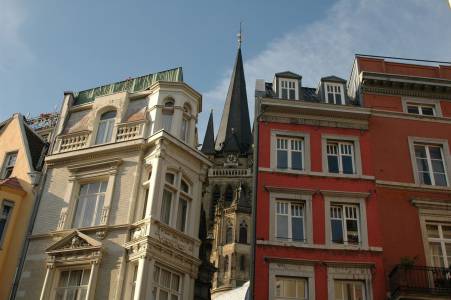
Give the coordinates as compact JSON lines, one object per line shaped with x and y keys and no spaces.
{"x":47,"y":47}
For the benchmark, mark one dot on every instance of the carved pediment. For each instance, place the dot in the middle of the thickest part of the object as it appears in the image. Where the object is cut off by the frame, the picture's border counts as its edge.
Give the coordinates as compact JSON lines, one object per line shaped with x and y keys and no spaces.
{"x":75,"y":241}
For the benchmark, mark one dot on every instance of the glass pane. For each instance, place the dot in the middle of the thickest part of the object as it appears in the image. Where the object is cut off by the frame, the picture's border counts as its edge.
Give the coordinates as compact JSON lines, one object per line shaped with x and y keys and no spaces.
{"x":338,"y":99}
{"x":174,"y":297}
{"x":166,"y":207}
{"x":85,"y":278}
{"x":435,"y":152}
{"x":163,"y":295}
{"x":330,"y":98}
{"x":297,"y":229}
{"x":302,"y":289}
{"x":282,"y":159}
{"x":338,"y":287}
{"x":93,"y":188}
{"x":108,"y":115}
{"x":279,"y":287}
{"x":422,"y":165}
{"x":427,"y":111}
{"x":420,"y":151}
{"x":156,"y":274}
{"x":284,"y":94}
{"x":352,"y":231}
{"x":446,"y":230}
{"x":59,"y":294}
{"x":175,"y":282}
{"x":282,"y":226}
{"x":75,"y":278}
{"x":165,"y":278}
{"x":436,"y":255}
{"x":424,"y":178}
{"x":337,"y":231}
{"x":413,"y":110}
{"x":440,"y":179}
{"x":432,"y":230}
{"x":170,"y":178}
{"x":296,"y":160}
{"x":88,"y":214}
{"x":101,"y":132}
{"x":290,"y":288}
{"x":292,"y":94}
{"x":332,"y":162}
{"x":437,"y":166}
{"x":347,"y":164}
{"x":64,"y":277}
{"x":181,"y":215}
{"x":358,"y":291}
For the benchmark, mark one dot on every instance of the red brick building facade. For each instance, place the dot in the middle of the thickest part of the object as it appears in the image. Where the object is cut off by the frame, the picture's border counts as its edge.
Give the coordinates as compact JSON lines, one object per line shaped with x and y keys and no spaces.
{"x":340,"y":201}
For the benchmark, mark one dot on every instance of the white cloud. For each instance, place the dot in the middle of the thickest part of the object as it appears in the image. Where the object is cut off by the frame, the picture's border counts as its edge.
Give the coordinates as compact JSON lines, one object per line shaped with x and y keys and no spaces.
{"x":403,"y":28}
{"x":13,"y":49}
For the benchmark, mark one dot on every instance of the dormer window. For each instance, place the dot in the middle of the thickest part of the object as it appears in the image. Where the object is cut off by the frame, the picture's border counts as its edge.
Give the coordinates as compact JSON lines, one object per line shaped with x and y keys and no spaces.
{"x":288,"y":89}
{"x":334,"y":93}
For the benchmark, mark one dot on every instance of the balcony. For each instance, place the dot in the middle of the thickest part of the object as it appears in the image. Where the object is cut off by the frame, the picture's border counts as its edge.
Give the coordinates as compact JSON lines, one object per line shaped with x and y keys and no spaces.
{"x":80,"y":140}
{"x":420,"y":281}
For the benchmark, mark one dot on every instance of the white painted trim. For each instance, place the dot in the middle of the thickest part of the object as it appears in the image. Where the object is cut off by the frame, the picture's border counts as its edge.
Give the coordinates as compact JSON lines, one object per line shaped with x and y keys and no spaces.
{"x":306,"y":160}
{"x":313,"y":173}
{"x":342,"y":138}
{"x":435,"y":103}
{"x":291,"y":270}
{"x":351,"y":273}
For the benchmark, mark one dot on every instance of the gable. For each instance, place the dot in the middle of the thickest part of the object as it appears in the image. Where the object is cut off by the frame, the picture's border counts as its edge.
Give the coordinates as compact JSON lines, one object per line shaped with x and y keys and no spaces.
{"x":75,"y":241}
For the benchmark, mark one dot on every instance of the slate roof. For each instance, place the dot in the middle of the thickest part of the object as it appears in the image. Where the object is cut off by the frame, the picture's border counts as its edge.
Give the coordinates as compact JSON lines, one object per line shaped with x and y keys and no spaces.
{"x":37,"y":148}
{"x":288,"y":74}
{"x":12,"y":182}
{"x":333,"y":78}
{"x":208,"y":146}
{"x":234,"y":133}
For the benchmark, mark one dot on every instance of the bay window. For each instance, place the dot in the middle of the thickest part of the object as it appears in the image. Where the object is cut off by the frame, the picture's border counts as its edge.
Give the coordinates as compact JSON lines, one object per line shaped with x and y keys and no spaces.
{"x":90,"y":204}
{"x":175,"y":202}
{"x":290,"y":224}
{"x":167,"y":284}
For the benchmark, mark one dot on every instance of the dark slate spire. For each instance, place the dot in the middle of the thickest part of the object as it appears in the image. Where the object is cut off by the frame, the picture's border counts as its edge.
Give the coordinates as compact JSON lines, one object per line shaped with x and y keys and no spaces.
{"x":208,"y":147}
{"x":234,"y":133}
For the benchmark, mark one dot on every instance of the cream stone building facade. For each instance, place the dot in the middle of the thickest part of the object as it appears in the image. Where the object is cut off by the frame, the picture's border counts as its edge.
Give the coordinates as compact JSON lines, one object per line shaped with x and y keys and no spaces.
{"x":121,"y":203}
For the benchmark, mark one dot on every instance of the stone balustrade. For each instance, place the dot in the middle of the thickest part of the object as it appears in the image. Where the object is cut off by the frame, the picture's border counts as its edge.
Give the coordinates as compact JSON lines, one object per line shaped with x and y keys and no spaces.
{"x":229,"y":172}
{"x":130,"y":131}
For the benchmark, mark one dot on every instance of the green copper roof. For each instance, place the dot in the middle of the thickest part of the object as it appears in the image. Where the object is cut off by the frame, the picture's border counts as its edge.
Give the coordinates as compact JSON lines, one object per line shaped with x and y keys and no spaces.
{"x":130,"y":85}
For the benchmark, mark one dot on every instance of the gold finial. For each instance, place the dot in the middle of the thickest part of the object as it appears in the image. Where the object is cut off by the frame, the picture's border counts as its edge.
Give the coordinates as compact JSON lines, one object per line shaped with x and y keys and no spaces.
{"x":240,"y":36}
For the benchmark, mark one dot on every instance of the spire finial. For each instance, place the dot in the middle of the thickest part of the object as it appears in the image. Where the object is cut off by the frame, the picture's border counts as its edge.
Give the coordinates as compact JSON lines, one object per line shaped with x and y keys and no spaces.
{"x":240,"y":36}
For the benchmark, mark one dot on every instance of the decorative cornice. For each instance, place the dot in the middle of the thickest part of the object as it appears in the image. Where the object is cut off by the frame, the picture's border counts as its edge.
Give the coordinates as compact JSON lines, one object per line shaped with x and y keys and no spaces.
{"x":405,"y":92}
{"x":436,"y":205}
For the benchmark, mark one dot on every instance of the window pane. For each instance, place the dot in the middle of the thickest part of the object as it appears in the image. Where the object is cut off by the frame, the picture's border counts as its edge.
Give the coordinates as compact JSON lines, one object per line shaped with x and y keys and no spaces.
{"x":432,"y":230}
{"x":297,"y":230}
{"x":338,"y":287}
{"x":64,"y":278}
{"x":422,"y":165}
{"x":352,"y":228}
{"x":437,"y":166}
{"x":290,"y":288}
{"x":166,"y":207}
{"x":437,"y":255}
{"x":420,"y":151}
{"x":163,"y":295}
{"x":279,"y":284}
{"x":85,"y":279}
{"x":170,"y":178}
{"x":338,"y":99}
{"x":296,"y":160}
{"x":435,"y":152}
{"x":427,"y":111}
{"x":175,"y":282}
{"x":337,"y":231}
{"x":332,"y":162}
{"x":101,"y":132}
{"x":347,"y":164}
{"x":282,"y":226}
{"x":302,"y":289}
{"x":440,"y":179}
{"x":75,"y":278}
{"x":165,"y":278}
{"x":424,"y":178}
{"x":292,"y":94}
{"x":413,"y":110}
{"x":181,"y":215}
{"x":446,"y":230}
{"x":330,"y":98}
{"x":282,"y":159}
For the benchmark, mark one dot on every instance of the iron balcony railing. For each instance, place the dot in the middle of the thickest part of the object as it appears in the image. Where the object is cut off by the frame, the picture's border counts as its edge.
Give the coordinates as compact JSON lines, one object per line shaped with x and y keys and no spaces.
{"x":405,"y":280}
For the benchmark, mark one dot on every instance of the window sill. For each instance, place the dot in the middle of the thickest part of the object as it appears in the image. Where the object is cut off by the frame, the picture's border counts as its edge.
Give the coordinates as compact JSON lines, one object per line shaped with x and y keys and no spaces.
{"x":317,"y":246}
{"x":312,"y":173}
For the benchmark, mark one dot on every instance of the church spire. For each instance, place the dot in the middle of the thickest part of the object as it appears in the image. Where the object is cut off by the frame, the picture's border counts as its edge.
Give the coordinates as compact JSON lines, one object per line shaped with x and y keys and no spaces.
{"x":208,"y":147}
{"x":234,"y":133}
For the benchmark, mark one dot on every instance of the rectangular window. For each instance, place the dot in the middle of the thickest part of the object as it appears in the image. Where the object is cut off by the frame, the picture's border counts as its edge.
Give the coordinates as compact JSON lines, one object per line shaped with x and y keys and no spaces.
{"x":349,"y":290}
{"x":431,"y":168}
{"x":90,"y":204}
{"x":5,"y":215}
{"x":167,"y":121}
{"x":290,"y":218}
{"x":290,"y":153}
{"x":181,"y":214}
{"x":334,"y":93}
{"x":340,"y":157}
{"x":73,"y":285}
{"x":288,"y":89}
{"x":421,"y":109}
{"x":345,"y":224}
{"x":184,"y":130}
{"x":167,"y":285}
{"x":166,"y":207}
{"x":291,"y":288}
{"x":9,"y":163}
{"x":439,"y":239}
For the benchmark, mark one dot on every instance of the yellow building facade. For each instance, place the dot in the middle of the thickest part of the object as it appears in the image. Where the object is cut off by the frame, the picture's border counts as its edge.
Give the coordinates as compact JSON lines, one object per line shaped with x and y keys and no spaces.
{"x":21,"y":157}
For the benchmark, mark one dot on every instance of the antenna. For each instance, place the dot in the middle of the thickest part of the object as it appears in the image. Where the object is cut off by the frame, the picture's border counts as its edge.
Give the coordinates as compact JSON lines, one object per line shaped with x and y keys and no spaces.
{"x":240,"y":35}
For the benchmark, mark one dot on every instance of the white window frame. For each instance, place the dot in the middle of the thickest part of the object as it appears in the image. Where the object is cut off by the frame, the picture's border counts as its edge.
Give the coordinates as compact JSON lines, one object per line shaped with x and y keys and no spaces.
{"x":358,"y":199}
{"x":157,"y":287}
{"x":98,"y":208}
{"x":357,"y":158}
{"x":294,"y":197}
{"x":420,"y":102}
{"x":291,"y":144}
{"x":108,"y":135}
{"x":289,"y":85}
{"x":440,"y":240}
{"x":333,"y":87}
{"x":290,"y":216}
{"x":292,"y":135}
{"x":341,"y":151}
{"x":343,"y":209}
{"x":289,"y":268}
{"x":429,"y":160}
{"x":9,"y":162}
{"x":445,"y":156}
{"x":80,"y":287}
{"x":7,"y":218}
{"x":296,"y":280}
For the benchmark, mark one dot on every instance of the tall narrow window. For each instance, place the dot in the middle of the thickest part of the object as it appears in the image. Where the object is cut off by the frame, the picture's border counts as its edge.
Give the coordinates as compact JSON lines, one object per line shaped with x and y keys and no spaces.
{"x":340,"y":157}
{"x":166,"y":206}
{"x":345,"y":224}
{"x":439,"y":239}
{"x":334,"y":93}
{"x":146,"y":195}
{"x":8,"y":165}
{"x":167,"y":284}
{"x":5,"y":215}
{"x":229,"y":194}
{"x":184,"y":129}
{"x":291,"y":288}
{"x":290,"y":221}
{"x":73,"y":285}
{"x":290,"y":153}
{"x":430,"y":164}
{"x":90,"y":204}
{"x":168,"y":112}
{"x":105,"y":129}
{"x":349,"y":290}
{"x":243,"y":233}
{"x":229,"y":234}
{"x":226,"y":264}
{"x":181,"y":214}
{"x":133,"y":283}
{"x":243,"y":262}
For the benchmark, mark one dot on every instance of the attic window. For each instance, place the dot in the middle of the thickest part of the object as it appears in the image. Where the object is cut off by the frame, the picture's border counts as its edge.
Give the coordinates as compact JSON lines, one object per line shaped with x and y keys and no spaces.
{"x":334,"y":93}
{"x":288,"y":89}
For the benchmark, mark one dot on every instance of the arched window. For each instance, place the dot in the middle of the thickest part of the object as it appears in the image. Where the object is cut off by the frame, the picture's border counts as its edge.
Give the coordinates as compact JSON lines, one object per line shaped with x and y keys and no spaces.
{"x":243,"y":233}
{"x":242,"y":262}
{"x":184,"y":129}
{"x":105,"y":129}
{"x":229,"y":194}
{"x":168,"y":112}
{"x":229,"y":234}
{"x":226,"y":264}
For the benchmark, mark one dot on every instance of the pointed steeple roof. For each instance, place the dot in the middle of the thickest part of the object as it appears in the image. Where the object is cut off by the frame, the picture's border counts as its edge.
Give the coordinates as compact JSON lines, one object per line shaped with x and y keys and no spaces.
{"x":208,"y":146}
{"x":234,"y":133}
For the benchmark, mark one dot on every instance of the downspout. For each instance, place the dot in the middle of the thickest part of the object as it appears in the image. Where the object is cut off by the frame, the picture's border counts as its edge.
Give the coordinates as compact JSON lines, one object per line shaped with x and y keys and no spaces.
{"x":254,"y":200}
